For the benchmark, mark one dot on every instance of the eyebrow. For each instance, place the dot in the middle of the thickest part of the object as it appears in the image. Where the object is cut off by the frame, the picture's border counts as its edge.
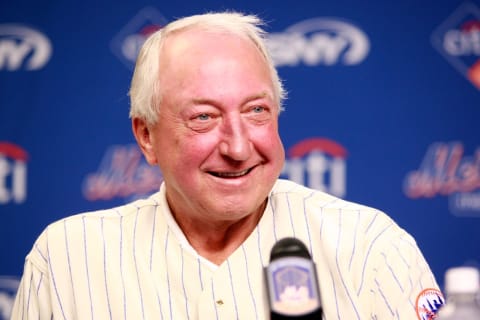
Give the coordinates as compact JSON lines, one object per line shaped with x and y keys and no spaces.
{"x":252,"y":97}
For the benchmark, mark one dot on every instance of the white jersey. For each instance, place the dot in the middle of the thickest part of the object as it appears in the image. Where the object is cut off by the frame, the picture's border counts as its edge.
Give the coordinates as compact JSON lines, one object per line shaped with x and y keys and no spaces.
{"x":133,"y":262}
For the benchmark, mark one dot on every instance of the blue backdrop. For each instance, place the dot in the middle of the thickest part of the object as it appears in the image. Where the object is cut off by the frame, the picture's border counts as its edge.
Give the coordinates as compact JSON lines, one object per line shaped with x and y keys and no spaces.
{"x":383,"y":109}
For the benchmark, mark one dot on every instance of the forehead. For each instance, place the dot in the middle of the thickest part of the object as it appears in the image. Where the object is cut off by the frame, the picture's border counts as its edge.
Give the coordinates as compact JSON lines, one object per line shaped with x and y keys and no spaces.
{"x":195,"y":40}
{"x":197,"y":55}
{"x":222,"y":68}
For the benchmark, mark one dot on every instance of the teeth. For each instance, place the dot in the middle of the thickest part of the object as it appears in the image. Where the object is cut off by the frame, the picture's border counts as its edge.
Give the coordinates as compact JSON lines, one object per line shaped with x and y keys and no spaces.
{"x":231,"y":174}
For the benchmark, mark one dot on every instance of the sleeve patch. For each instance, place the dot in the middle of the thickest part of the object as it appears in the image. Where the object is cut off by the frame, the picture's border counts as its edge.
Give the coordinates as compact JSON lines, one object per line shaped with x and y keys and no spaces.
{"x":428,"y":303}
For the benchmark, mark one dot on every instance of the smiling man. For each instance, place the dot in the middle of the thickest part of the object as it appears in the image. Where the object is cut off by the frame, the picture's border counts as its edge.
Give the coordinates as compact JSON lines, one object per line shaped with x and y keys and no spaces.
{"x":205,"y":102}
{"x":216,"y":137}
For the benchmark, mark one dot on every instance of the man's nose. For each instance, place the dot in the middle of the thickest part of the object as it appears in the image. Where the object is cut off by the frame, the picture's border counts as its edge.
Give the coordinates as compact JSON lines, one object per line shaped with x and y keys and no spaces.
{"x":235,"y":141}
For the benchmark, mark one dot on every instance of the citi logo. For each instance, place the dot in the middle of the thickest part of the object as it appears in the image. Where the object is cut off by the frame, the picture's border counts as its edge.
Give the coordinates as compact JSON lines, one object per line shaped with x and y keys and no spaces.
{"x":13,"y":173}
{"x":318,"y":163}
{"x":458,"y":40}
{"x":127,"y":43}
{"x":319,"y":41}
{"x":22,"y":47}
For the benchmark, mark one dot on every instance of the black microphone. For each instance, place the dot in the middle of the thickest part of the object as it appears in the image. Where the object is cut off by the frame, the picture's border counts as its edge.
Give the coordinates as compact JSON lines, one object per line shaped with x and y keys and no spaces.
{"x":292,"y":283}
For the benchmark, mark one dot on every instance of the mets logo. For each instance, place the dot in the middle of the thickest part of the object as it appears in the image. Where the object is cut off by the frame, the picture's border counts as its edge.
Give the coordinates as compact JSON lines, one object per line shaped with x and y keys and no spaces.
{"x":318,"y":163}
{"x":446,"y":171}
{"x":123,"y":173}
{"x":428,"y":303}
{"x":8,"y":290}
{"x":127,"y":43}
{"x":458,"y":40}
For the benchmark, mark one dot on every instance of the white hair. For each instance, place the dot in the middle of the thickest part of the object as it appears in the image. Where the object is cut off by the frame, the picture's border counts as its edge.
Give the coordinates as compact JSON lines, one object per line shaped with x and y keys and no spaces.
{"x":145,"y":91}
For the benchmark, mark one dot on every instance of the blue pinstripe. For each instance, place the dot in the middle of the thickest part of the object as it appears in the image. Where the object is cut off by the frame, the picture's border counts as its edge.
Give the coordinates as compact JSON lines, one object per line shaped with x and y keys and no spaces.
{"x":121,"y":270}
{"x":159,"y":303}
{"x":368,"y":255}
{"x":290,"y":214}
{"x":86,"y":266}
{"x":200,"y":273}
{"x":41,"y":253}
{"x":183,"y":285}
{"x":354,"y":242}
{"x":153,"y":237}
{"x":154,"y":227}
{"x":259,"y":246}
{"x":68,"y":262}
{"x":335,"y":294}
{"x":321,"y":222}
{"x":134,"y":245}
{"x":55,"y":288}
{"x":168,"y":275}
{"x":305,"y":216}
{"x":105,"y":267}
{"x":30,"y":288}
{"x":39,"y":283}
{"x":400,"y":255}
{"x":392,"y":272}
{"x":383,"y":297}
{"x":273,"y":220}
{"x":338,"y":265}
{"x":248,"y":281}
{"x":214,"y":299}
{"x":410,"y":281}
{"x":233,"y":289}
{"x":371,"y":223}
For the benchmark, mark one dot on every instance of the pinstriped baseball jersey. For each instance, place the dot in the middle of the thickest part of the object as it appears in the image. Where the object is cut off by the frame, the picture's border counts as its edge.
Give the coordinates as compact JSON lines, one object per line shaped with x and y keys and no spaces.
{"x":133,"y":262}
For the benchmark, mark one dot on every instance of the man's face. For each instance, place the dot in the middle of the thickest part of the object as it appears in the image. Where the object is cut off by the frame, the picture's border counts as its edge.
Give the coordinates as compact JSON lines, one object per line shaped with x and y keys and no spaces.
{"x":216,"y":139}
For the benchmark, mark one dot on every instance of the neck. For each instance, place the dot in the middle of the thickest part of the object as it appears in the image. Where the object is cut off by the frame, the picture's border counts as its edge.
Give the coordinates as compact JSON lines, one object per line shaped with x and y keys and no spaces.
{"x":218,"y":240}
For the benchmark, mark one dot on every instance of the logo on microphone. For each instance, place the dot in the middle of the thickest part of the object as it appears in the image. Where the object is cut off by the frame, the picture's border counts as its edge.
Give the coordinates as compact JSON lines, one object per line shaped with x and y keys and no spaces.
{"x":22,"y":47}
{"x":458,"y":40}
{"x":319,"y":41}
{"x":293,"y":289}
{"x":8,"y":290}
{"x":13,"y":173}
{"x":292,"y":282}
{"x":127,"y":43}
{"x":318,"y":163}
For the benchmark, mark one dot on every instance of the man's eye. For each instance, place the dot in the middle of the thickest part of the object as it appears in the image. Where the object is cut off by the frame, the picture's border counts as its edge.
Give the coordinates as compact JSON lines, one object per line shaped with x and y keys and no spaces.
{"x":258,"y":109}
{"x":203,"y":117}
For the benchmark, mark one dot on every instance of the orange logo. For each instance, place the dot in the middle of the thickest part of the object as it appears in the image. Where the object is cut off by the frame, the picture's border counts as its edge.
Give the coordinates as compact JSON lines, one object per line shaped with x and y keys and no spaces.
{"x":428,"y":303}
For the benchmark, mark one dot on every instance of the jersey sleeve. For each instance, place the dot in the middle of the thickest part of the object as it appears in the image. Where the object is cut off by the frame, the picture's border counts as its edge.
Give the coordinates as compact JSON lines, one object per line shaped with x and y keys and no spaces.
{"x":33,"y":299}
{"x":403,"y":285}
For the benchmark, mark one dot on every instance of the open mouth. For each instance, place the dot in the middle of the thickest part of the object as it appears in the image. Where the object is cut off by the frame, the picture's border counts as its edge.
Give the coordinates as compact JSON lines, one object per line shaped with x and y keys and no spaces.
{"x":231,"y":174}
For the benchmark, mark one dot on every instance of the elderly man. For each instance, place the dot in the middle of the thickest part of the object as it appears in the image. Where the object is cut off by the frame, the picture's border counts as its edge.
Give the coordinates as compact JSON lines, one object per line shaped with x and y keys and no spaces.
{"x":205,"y":101}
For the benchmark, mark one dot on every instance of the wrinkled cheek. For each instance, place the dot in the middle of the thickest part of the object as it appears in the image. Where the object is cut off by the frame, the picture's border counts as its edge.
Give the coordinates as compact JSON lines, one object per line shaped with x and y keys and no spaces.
{"x":277,"y":145}
{"x":280,"y":158}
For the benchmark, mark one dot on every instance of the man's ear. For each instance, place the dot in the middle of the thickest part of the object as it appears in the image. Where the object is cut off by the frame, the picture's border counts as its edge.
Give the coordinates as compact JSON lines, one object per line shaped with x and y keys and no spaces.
{"x":143,"y":135}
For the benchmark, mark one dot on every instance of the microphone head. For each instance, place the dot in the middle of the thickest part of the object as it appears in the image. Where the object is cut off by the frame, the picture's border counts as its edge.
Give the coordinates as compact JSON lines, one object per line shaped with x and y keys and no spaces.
{"x":292,"y":282}
{"x":289,"y":247}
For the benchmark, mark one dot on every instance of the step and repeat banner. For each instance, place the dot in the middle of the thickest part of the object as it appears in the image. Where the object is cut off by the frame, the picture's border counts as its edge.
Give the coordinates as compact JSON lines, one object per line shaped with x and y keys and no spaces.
{"x":383,"y":109}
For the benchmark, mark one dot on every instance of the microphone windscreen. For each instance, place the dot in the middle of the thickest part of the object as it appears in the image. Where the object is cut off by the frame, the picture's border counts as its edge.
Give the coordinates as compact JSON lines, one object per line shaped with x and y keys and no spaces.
{"x":291,"y":247}
{"x":292,"y":282}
